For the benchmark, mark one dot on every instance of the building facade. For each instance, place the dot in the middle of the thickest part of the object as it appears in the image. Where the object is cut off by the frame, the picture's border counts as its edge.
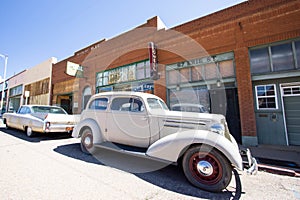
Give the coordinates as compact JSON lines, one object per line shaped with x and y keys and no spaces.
{"x":15,"y":88}
{"x":31,"y":86}
{"x":37,"y":83}
{"x":242,"y":62}
{"x":65,"y":81}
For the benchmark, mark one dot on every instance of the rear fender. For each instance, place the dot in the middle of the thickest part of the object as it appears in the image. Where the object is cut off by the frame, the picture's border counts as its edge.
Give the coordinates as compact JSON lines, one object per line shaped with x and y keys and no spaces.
{"x":171,"y":147}
{"x":88,"y":123}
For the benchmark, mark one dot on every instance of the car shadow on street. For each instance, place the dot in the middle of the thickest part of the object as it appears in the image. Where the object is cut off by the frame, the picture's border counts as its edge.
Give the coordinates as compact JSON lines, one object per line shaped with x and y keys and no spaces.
{"x":169,"y":177}
{"x":36,"y":138}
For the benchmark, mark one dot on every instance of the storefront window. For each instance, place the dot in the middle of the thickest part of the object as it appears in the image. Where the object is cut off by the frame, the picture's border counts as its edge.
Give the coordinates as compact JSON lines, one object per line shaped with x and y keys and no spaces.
{"x":275,"y":57}
{"x":147,"y":65}
{"x":197,"y":96}
{"x":266,"y":97}
{"x":123,"y":74}
{"x":173,"y":77}
{"x":133,"y":72}
{"x":197,"y":73}
{"x":16,"y":90}
{"x":198,"y":70}
{"x":184,"y":75}
{"x":291,"y":91}
{"x":211,"y":71}
{"x":105,"y":78}
{"x":259,"y":60}
{"x":99,"y":79}
{"x":282,"y":57}
{"x":226,"y":68}
{"x":140,"y":70}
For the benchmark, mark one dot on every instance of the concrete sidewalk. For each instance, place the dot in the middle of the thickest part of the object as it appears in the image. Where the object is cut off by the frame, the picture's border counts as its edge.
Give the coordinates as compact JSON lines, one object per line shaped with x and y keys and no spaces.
{"x":284,"y":160}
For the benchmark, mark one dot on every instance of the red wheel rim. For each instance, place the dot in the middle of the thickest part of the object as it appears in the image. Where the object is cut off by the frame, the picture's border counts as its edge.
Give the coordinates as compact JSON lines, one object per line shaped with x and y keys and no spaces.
{"x":215,"y":167}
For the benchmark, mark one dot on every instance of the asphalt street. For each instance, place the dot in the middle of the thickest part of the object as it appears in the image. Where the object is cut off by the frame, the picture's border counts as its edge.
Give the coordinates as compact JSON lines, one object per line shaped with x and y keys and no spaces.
{"x":53,"y":167}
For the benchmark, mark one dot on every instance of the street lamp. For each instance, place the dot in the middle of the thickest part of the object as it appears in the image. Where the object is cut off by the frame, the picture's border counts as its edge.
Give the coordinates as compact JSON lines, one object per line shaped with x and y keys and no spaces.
{"x":5,"y":57}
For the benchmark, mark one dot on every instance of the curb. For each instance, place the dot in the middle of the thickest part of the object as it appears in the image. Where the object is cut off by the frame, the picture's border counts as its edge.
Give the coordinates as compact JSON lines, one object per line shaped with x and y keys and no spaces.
{"x":278,"y":170}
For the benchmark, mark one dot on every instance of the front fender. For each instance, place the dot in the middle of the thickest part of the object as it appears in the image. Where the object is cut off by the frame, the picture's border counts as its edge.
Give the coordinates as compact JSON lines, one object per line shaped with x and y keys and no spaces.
{"x":172,"y":146}
{"x":88,"y":123}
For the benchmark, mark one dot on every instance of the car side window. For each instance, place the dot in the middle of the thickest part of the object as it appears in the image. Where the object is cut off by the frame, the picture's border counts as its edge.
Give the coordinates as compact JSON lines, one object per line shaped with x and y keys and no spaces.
{"x":99,"y":104}
{"x":22,"y":110}
{"x":27,"y":111}
{"x":127,"y":104}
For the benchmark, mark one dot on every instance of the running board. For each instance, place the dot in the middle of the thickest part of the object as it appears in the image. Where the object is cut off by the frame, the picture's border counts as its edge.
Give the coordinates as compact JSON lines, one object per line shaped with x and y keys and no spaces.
{"x":115,"y":147}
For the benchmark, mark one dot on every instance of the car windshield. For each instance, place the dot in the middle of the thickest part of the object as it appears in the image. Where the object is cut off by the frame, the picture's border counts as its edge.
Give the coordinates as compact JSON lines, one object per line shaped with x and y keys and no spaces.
{"x":157,"y":104}
{"x":48,"y":109}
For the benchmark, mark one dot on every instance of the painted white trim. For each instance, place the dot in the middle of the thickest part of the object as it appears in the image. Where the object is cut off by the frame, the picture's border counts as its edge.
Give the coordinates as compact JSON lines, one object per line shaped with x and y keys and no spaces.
{"x":275,"y":95}
{"x":283,"y":86}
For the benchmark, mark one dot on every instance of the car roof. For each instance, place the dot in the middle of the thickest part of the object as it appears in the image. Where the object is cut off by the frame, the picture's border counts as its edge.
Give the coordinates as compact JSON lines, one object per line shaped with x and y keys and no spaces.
{"x":187,"y":104}
{"x":36,"y":105}
{"x":126,"y":93}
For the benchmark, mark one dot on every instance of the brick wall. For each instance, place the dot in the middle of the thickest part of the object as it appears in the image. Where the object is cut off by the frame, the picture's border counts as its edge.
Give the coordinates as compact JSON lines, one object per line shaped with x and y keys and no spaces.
{"x":237,"y":28}
{"x":251,"y":23}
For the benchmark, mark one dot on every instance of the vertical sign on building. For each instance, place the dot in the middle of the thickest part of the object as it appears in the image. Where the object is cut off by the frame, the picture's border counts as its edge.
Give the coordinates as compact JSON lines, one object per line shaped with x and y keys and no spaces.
{"x":153,"y":61}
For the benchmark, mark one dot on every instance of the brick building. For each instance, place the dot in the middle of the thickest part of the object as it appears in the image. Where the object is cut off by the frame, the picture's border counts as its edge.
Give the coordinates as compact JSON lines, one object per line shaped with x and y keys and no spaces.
{"x":243,"y":62}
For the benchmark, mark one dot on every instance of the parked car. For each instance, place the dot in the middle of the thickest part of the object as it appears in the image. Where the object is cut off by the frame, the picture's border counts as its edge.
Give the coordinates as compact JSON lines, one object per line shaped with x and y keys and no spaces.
{"x":140,"y":123}
{"x":40,"y":118}
{"x":189,"y":107}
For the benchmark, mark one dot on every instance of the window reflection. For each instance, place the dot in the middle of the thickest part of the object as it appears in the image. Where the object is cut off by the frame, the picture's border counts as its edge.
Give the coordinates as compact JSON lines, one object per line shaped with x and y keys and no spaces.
{"x":282,"y":57}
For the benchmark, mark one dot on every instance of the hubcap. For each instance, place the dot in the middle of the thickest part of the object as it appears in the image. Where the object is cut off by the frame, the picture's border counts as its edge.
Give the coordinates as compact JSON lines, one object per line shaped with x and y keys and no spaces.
{"x":205,"y":168}
{"x":29,"y":131}
{"x":87,"y":141}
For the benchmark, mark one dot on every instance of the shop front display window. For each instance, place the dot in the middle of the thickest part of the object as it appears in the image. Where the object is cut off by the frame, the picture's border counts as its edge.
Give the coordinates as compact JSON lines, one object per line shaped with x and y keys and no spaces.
{"x":173,"y":77}
{"x":193,"y":97}
{"x":211,"y":71}
{"x":140,"y":71}
{"x":184,"y":75}
{"x":259,"y":60}
{"x":282,"y":57}
{"x":197,"y":73}
{"x":226,"y":68}
{"x":122,"y":75}
{"x":275,"y":58}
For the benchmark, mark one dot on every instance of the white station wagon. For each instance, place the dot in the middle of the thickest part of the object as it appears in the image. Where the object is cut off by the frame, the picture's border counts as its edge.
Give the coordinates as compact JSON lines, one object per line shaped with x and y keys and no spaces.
{"x":201,"y":142}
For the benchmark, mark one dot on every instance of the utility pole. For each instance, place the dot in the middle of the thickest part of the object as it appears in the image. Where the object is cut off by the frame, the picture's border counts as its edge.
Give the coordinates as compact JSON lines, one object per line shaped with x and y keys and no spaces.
{"x":5,"y":57}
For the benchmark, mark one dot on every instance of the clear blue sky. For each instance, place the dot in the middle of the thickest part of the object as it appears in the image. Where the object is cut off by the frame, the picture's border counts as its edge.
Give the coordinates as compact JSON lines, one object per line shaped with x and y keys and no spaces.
{"x":32,"y":31}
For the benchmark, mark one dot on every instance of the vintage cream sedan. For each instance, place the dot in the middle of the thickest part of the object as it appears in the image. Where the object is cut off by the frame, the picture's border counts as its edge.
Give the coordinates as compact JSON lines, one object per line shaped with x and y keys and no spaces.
{"x":40,"y":118}
{"x":140,"y":123}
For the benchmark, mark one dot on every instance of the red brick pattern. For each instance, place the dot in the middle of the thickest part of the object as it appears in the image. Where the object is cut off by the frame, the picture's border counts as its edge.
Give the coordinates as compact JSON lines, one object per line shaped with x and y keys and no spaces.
{"x":235,"y":29}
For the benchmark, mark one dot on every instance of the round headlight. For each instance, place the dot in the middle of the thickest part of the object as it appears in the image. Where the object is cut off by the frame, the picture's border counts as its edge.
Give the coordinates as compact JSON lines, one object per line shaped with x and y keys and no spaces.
{"x":218,"y":128}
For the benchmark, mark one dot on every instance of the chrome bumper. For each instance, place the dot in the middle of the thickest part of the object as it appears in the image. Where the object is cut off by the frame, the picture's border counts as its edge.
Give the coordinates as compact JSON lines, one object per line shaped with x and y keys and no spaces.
{"x":59,"y":128}
{"x":249,"y":162}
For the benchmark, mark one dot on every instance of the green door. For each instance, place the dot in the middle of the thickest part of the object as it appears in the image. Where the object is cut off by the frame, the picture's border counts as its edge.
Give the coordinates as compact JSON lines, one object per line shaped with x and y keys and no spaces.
{"x":292,"y":118}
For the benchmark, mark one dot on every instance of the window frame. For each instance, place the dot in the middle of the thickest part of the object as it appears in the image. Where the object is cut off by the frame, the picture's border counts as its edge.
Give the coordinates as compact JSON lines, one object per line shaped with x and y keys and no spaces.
{"x":269,"y":47}
{"x":257,"y":97}
{"x":131,"y":101}
{"x":98,"y":108}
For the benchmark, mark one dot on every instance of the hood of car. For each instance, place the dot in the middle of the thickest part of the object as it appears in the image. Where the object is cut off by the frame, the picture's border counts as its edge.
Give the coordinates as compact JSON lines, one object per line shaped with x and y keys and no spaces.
{"x":190,"y":118}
